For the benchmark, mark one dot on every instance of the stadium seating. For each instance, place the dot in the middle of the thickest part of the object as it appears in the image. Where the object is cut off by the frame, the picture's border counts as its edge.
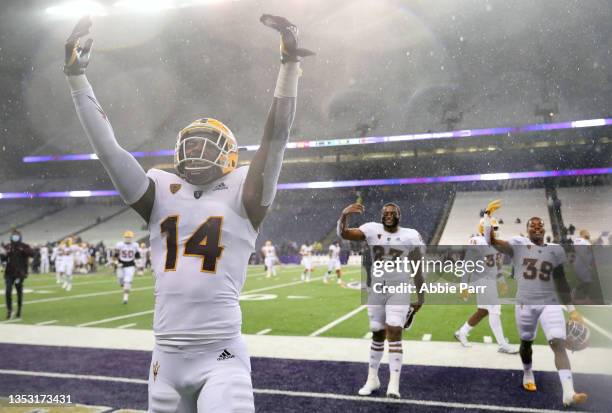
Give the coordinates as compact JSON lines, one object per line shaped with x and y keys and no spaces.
{"x":522,"y":204}
{"x":588,"y":207}
{"x":66,"y":222}
{"x":111,"y":231}
{"x":20,"y":213}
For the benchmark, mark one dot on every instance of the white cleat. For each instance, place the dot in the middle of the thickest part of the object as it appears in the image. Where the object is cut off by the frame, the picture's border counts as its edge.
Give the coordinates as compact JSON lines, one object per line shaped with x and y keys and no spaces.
{"x":393,"y":391}
{"x":68,"y":287}
{"x":371,"y":385}
{"x":529,"y":381}
{"x":507,"y":349}
{"x":462,"y":338}
{"x":574,"y":399}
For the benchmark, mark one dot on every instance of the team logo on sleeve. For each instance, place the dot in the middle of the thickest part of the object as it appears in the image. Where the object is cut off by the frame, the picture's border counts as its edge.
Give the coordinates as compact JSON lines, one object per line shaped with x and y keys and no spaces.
{"x":379,"y":235}
{"x":197,"y":194}
{"x":155,"y":370}
{"x":174,"y":188}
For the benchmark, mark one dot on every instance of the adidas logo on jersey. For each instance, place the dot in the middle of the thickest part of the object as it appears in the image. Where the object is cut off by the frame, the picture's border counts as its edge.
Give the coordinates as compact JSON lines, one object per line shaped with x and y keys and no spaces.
{"x":220,"y":187}
{"x":225,"y":355}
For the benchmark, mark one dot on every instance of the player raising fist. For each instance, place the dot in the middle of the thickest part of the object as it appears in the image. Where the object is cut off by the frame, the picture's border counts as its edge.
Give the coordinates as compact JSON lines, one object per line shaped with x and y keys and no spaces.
{"x":541,"y":288}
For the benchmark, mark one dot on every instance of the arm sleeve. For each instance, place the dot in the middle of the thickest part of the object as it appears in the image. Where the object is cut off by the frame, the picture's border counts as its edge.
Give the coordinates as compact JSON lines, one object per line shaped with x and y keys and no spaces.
{"x":126,"y":173}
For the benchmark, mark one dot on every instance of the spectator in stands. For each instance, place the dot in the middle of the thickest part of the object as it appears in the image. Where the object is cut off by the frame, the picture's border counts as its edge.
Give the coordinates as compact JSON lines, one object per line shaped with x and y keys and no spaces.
{"x":571,"y":229}
{"x":16,"y":258}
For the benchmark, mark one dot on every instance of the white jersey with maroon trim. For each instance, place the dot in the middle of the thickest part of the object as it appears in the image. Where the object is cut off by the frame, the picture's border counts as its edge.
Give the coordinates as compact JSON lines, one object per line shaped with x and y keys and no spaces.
{"x":479,"y":250}
{"x":391,"y":245}
{"x":127,"y":253}
{"x":201,"y":241}
{"x":533,"y":270}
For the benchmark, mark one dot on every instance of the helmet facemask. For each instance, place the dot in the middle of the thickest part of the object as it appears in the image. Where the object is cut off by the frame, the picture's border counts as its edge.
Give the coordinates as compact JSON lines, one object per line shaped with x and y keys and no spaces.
{"x":204,"y":153}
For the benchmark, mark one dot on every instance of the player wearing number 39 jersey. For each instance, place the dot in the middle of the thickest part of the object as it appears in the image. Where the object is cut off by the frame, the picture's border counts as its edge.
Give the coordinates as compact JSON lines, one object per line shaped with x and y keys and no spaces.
{"x":542,"y":287}
{"x":203,"y":219}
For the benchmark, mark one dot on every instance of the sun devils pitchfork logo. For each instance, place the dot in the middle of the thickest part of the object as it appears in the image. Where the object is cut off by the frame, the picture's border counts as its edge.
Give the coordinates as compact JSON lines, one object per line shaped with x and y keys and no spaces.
{"x":155,"y":370}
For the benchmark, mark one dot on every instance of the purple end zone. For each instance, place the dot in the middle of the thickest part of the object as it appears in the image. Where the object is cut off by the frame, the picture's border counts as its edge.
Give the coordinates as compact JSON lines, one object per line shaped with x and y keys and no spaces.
{"x":445,"y":384}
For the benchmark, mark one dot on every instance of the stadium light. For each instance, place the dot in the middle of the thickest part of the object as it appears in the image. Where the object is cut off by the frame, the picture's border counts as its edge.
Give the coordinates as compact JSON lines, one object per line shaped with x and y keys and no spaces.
{"x":144,"y":6}
{"x":348,"y":184}
{"x":77,"y":9}
{"x":327,"y":143}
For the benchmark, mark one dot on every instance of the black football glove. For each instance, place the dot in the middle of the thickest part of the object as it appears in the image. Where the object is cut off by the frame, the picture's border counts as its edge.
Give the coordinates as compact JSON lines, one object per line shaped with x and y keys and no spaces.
{"x":289,"y":38}
{"x":77,"y":57}
{"x":409,"y":318}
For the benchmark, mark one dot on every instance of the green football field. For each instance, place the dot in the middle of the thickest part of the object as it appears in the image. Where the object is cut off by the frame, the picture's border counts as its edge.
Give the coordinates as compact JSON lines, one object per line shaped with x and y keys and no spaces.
{"x":282,"y":305}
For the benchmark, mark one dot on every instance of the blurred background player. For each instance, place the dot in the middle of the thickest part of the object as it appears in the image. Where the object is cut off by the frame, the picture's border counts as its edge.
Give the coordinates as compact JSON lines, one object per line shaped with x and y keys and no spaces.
{"x":334,"y":263}
{"x":541,"y":288}
{"x":141,"y":261}
{"x":306,"y":253}
{"x":270,"y":258}
{"x":44,"y":259}
{"x":203,"y":218}
{"x":126,"y":253}
{"x":57,"y":262}
{"x":387,"y":312}
{"x":487,"y":302}
{"x":68,"y":259}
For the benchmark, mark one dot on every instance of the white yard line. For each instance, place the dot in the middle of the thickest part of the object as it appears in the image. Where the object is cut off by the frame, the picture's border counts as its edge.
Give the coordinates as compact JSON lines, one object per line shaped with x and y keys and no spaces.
{"x":121,"y":317}
{"x":594,"y":326}
{"x":46,"y":323}
{"x":487,"y":339}
{"x":74,"y":283}
{"x":333,"y":396}
{"x":426,"y":337}
{"x":431,"y":403}
{"x":263,"y":332}
{"x":127,"y":325}
{"x":12,"y":320}
{"x":337,"y":321}
{"x":72,"y":297}
{"x":599,"y":329}
{"x":273,"y":287}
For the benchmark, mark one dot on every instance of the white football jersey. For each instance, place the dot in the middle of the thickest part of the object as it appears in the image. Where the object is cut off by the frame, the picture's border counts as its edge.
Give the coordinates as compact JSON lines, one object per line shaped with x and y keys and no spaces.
{"x":306,"y":250}
{"x":391,"y":245}
{"x":44,"y":253}
{"x":126,"y":252}
{"x":269,"y":251}
{"x":201,"y":241}
{"x":533,"y":270}
{"x":334,"y":251}
{"x":478,"y":249}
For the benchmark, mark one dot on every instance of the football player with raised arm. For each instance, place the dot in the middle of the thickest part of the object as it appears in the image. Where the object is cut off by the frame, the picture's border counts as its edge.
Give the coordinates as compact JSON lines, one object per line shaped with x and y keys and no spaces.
{"x":203,"y":221}
{"x":541,"y":289}
{"x":487,"y":302}
{"x":388,"y":314}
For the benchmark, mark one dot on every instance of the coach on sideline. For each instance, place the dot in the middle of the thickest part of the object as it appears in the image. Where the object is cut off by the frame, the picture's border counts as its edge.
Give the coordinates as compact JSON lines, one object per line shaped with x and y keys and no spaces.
{"x":16,"y":271}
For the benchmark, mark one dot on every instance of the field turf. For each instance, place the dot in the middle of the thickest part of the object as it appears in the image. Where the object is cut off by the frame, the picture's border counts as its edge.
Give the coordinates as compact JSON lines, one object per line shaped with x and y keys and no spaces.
{"x":279,"y":306}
